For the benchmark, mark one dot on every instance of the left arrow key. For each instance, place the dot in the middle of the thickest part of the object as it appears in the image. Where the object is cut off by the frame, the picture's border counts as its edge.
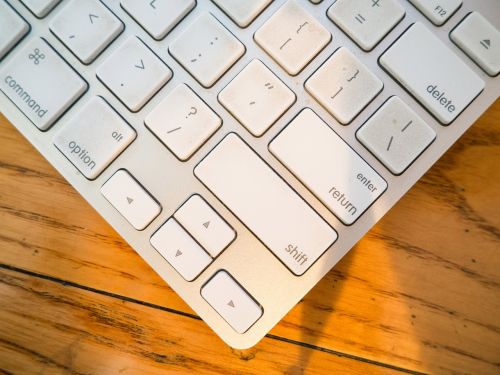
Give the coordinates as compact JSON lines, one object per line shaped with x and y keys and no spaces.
{"x":118,"y":190}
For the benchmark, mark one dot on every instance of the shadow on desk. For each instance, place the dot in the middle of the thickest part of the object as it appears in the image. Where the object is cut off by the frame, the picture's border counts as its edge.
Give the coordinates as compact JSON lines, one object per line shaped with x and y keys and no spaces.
{"x":421,"y":291}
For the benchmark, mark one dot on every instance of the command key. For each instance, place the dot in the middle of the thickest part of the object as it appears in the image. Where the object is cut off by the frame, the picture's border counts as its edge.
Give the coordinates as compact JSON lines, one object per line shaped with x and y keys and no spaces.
{"x":40,"y":83}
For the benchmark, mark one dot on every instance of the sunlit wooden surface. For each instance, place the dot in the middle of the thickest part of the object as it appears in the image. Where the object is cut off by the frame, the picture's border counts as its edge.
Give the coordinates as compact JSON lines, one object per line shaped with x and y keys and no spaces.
{"x":420,"y":293}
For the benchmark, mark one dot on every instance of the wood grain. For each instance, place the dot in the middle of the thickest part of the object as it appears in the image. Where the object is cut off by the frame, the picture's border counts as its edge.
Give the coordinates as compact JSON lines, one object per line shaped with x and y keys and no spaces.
{"x":69,"y":330}
{"x":421,"y":292}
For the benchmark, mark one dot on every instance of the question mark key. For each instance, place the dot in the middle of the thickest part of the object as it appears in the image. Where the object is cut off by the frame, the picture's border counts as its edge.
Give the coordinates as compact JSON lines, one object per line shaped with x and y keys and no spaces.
{"x":188,"y":126}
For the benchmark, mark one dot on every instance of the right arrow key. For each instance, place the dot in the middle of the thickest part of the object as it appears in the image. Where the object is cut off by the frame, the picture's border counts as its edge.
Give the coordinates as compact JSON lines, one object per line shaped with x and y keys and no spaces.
{"x":231,"y":301}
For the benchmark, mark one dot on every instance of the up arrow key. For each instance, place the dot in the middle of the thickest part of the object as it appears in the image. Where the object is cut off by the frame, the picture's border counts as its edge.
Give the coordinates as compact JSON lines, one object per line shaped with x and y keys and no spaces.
{"x":178,"y":253}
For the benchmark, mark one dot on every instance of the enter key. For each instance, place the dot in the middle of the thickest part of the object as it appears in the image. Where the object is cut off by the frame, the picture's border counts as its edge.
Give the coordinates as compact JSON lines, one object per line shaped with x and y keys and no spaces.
{"x":328,"y":166}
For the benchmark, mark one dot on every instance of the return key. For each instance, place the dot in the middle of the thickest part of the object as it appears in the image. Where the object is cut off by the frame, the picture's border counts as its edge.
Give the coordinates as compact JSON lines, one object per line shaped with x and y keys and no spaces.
{"x":331,"y":169}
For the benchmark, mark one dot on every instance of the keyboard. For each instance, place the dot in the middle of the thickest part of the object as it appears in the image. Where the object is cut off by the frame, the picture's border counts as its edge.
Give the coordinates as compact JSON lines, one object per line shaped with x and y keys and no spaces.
{"x":243,"y":147}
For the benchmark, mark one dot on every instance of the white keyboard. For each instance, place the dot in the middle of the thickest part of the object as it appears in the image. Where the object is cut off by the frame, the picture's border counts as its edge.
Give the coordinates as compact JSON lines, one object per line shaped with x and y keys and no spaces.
{"x":242,"y":147}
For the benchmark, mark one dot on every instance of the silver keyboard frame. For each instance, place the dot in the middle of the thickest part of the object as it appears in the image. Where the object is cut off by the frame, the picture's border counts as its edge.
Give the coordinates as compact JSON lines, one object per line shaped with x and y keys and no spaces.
{"x":247,"y":259}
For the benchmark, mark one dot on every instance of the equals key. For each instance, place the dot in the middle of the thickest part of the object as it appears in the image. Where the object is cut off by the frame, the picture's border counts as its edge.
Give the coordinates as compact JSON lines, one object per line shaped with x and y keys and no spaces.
{"x":360,"y":18}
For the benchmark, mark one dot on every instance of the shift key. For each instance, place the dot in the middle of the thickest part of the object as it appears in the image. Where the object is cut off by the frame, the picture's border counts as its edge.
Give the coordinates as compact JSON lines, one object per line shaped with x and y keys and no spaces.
{"x":269,"y":207}
{"x":40,"y":83}
{"x":432,"y":73}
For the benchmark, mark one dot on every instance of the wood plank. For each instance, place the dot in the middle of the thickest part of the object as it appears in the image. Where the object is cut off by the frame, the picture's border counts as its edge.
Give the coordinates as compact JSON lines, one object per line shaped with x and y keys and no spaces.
{"x":51,"y":328}
{"x":421,"y":291}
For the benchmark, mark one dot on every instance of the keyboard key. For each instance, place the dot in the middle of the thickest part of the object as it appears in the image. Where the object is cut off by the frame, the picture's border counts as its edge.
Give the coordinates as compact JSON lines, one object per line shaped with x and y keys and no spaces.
{"x":180,"y":250}
{"x":332,"y":170}
{"x":86,"y":27}
{"x":443,"y":83}
{"x":134,"y":203}
{"x":276,"y":215}
{"x":257,"y":98}
{"x":231,"y":301}
{"x":437,"y":11}
{"x":158,"y":17}
{"x":40,"y":83}
{"x":292,"y":37}
{"x":12,"y":28}
{"x":40,"y":8}
{"x":479,"y":39}
{"x":190,"y":122}
{"x":206,"y":49}
{"x":396,"y":135}
{"x":134,"y":73}
{"x":205,"y":225}
{"x":94,"y":137}
{"x":367,"y":22}
{"x":242,"y":12}
{"x":344,"y":86}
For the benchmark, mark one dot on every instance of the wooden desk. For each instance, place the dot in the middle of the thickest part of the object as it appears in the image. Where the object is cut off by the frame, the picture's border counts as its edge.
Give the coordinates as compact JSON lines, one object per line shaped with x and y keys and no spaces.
{"x":421,"y":292}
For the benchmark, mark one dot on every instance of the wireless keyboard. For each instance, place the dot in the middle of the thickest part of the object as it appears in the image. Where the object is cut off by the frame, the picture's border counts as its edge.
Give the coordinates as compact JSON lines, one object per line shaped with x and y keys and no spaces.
{"x":243,"y":147}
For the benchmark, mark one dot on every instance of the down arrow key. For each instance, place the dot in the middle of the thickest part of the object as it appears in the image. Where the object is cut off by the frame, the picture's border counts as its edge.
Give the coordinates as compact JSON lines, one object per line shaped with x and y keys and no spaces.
{"x":170,"y":239}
